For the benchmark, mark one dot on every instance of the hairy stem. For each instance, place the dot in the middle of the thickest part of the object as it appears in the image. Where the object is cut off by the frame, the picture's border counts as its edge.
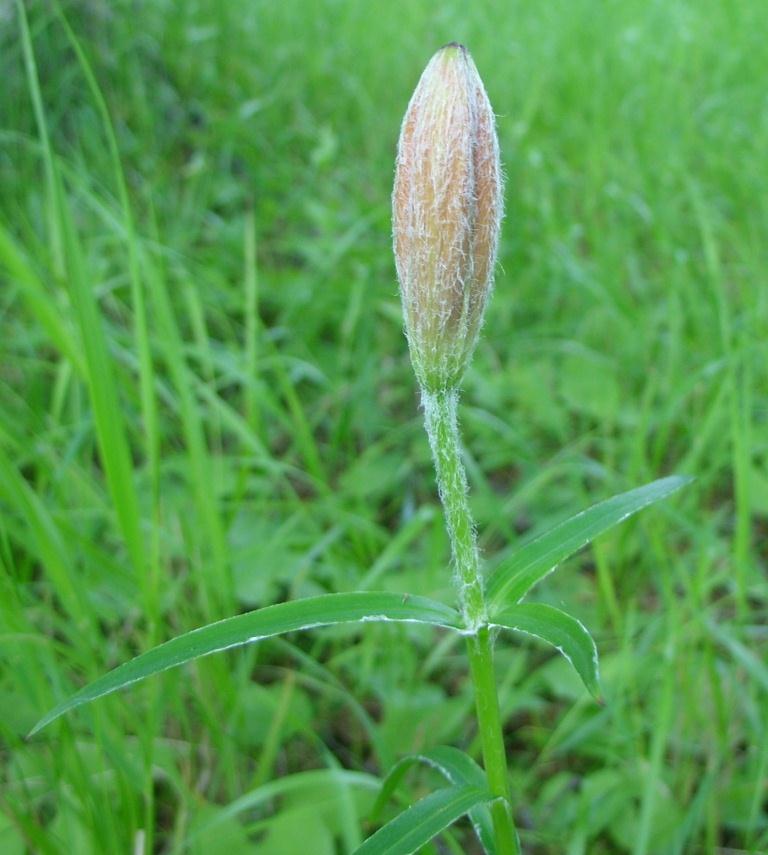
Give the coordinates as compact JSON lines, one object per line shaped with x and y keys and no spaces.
{"x":440,"y":416}
{"x":443,"y":431}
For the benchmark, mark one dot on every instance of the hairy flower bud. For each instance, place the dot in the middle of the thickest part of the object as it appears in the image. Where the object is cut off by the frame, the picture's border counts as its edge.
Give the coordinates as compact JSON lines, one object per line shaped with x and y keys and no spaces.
{"x":447,"y":209}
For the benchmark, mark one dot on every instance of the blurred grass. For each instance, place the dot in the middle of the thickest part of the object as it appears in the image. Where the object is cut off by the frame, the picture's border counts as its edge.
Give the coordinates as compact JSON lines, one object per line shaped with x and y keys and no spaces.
{"x":206,"y":405}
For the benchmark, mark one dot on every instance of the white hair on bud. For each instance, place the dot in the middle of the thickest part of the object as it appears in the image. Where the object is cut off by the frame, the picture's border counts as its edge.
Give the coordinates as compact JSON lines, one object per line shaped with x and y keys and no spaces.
{"x":447,"y":210}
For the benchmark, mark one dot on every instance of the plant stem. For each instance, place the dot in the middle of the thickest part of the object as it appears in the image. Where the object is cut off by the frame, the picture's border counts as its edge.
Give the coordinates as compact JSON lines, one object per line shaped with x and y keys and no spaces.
{"x":489,"y":723}
{"x":443,"y":431}
{"x":440,"y":417}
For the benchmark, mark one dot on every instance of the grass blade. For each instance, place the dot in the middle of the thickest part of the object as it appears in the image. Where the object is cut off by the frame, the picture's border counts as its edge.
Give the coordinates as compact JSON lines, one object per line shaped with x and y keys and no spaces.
{"x":561,"y":630}
{"x":420,"y":823}
{"x":512,"y":579}
{"x":143,"y":349}
{"x":324,"y":610}
{"x":457,"y":768}
{"x":69,"y":258}
{"x":109,"y":421}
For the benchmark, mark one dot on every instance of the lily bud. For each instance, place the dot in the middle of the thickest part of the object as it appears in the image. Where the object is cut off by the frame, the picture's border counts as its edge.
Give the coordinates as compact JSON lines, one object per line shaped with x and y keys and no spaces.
{"x":447,"y":209}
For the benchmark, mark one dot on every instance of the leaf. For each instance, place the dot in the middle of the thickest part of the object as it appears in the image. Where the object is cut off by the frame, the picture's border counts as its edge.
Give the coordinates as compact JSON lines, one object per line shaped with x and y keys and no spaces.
{"x":459,"y":769}
{"x":418,"y":824}
{"x":324,"y":610}
{"x":513,"y":578}
{"x":559,"y":629}
{"x":103,"y":383}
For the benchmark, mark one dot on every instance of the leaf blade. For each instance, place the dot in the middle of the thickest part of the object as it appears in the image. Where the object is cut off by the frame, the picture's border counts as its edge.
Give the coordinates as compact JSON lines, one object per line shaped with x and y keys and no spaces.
{"x":528,"y":565}
{"x":417,"y":825}
{"x":323,"y":610}
{"x":458,"y":769}
{"x":562,"y":631}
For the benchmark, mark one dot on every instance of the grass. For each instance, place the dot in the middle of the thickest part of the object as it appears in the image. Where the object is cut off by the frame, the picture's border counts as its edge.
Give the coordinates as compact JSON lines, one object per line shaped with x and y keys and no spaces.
{"x":206,"y":405}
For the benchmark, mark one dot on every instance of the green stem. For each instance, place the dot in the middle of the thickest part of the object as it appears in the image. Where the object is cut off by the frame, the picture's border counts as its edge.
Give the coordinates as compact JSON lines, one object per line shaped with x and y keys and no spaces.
{"x":440,"y":416}
{"x":491,"y":735}
{"x":443,"y":431}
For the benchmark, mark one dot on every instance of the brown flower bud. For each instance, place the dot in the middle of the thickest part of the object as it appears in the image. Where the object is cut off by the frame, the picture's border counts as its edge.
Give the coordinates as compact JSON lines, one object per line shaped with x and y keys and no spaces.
{"x":447,"y":209}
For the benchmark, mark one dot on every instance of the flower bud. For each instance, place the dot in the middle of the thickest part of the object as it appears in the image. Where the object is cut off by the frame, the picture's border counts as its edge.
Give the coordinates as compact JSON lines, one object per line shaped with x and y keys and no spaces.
{"x":447,"y":208}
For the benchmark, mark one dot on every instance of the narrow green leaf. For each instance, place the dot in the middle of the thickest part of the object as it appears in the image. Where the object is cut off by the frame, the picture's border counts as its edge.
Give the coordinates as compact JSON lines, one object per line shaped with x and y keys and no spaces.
{"x":513,"y":578}
{"x":458,"y":768}
{"x":70,"y":260}
{"x":325,"y":610}
{"x":561,"y":630}
{"x":103,"y":385}
{"x":142,"y":343}
{"x":417,"y":825}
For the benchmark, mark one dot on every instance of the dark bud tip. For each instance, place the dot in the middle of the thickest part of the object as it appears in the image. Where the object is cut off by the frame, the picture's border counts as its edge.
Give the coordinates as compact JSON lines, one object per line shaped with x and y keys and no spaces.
{"x":455,"y":46}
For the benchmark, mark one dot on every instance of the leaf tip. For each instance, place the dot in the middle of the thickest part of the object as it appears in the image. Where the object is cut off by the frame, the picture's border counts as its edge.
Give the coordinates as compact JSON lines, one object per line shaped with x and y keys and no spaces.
{"x":36,"y":729}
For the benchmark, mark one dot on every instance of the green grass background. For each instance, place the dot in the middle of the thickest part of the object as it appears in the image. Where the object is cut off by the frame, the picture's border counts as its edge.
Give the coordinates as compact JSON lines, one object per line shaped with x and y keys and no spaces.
{"x":206,"y":405}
